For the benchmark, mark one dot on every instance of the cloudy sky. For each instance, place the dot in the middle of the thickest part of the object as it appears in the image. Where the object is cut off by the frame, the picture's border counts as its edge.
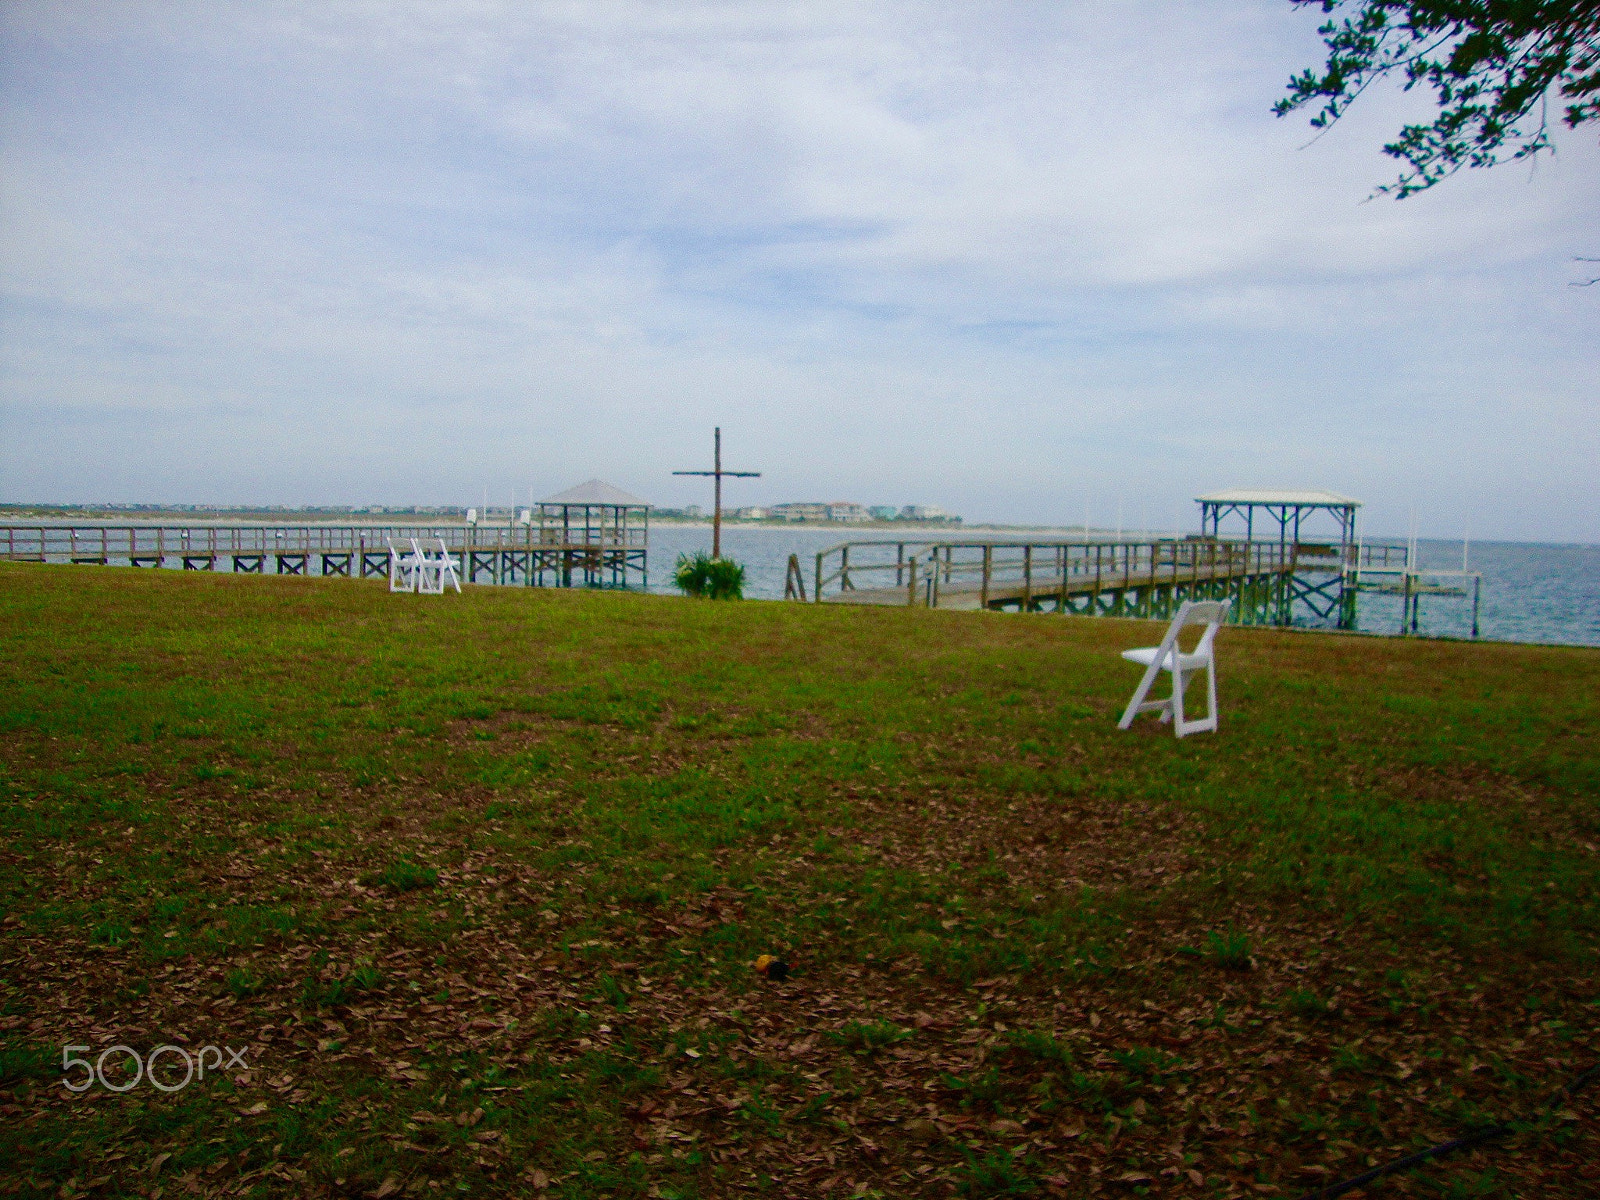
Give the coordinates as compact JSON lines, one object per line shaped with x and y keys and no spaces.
{"x":1016,"y":259}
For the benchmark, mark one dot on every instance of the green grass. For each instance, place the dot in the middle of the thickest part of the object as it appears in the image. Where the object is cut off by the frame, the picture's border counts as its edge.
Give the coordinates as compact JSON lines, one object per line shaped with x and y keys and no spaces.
{"x":476,"y":883}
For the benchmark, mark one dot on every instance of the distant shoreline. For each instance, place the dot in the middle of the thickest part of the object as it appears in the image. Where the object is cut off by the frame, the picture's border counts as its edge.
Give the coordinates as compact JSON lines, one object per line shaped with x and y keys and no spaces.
{"x":105,"y":516}
{"x":90,"y":514}
{"x":909,"y":527}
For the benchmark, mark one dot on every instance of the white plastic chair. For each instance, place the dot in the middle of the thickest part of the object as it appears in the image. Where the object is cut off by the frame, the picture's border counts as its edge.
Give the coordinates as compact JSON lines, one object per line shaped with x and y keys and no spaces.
{"x":447,"y":568}
{"x":405,"y":570}
{"x":434,"y":573}
{"x":1169,"y":656}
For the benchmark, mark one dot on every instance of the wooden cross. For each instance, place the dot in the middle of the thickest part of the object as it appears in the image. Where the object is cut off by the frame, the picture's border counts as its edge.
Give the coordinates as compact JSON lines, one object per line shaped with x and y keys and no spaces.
{"x":717,"y":473}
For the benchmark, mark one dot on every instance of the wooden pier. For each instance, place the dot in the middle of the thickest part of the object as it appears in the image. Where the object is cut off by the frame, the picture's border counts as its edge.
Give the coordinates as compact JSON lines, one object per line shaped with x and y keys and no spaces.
{"x":526,"y":553}
{"x":591,"y":535}
{"x":1393,"y":570}
{"x":1133,"y":578}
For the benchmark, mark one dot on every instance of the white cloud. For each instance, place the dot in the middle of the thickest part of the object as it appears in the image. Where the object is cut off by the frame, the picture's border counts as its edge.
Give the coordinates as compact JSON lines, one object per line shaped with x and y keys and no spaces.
{"x":991,"y":257}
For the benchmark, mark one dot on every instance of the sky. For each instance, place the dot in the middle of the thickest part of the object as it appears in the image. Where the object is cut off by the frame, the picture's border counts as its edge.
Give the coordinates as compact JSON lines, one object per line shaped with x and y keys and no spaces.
{"x":1030,"y":262}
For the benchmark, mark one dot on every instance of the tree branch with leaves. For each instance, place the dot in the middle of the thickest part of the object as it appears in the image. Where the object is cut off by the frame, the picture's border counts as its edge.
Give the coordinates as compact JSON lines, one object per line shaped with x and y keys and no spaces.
{"x":1494,"y":67}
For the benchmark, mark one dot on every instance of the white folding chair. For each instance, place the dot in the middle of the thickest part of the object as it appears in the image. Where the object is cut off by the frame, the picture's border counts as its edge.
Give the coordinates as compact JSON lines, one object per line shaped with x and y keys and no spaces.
{"x":429,"y":575}
{"x":434,"y":573}
{"x":447,"y":568}
{"x":1169,"y":656}
{"x":405,"y":570}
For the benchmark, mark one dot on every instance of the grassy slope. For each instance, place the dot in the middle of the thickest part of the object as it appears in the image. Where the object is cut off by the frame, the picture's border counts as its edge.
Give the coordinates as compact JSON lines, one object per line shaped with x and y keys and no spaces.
{"x":478,"y":881}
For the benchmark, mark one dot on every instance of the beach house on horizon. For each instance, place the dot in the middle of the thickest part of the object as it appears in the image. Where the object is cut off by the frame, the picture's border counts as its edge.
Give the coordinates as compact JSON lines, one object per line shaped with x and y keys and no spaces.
{"x":799,"y":512}
{"x":848,"y":512}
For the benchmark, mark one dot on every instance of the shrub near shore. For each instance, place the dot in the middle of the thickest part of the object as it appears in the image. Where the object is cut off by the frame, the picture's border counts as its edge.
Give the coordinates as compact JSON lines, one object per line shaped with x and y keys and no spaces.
{"x":475,"y":883}
{"x":700,"y":575}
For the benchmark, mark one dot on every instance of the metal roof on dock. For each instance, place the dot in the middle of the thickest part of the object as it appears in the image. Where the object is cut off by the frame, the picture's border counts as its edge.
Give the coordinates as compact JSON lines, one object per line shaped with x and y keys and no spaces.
{"x":1288,"y":497}
{"x":597,"y":492}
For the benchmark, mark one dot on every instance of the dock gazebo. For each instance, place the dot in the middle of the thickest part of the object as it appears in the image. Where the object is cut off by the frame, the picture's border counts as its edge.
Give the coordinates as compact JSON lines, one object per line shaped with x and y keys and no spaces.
{"x":595,"y":533}
{"x":1323,"y":576}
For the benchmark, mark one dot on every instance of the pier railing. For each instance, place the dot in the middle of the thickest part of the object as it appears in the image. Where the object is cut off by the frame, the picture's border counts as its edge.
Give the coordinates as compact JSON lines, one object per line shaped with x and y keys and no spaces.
{"x":987,"y":573}
{"x":150,"y":541}
{"x":609,"y":554}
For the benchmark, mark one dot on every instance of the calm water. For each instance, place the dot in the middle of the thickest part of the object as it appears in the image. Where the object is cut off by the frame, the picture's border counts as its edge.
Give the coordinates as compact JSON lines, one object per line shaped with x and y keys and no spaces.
{"x":1531,"y":592}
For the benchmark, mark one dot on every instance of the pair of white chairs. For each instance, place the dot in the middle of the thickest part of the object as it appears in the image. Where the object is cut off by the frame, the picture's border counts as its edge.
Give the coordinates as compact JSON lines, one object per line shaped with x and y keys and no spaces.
{"x":1170,"y":657}
{"x":418,"y":571}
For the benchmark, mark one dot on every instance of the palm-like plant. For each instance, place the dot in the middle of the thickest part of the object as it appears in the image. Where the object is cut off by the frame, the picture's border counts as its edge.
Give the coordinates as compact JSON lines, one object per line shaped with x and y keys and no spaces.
{"x":712,"y":578}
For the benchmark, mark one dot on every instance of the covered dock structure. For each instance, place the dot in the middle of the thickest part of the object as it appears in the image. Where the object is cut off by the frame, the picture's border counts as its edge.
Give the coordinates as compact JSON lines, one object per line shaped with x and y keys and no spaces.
{"x":1282,"y":556}
{"x":1316,"y":530}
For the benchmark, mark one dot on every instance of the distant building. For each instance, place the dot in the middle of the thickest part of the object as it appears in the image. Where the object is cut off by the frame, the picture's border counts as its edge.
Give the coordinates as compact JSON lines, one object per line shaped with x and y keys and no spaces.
{"x":800,"y":512}
{"x":848,"y":511}
{"x":752,"y":514}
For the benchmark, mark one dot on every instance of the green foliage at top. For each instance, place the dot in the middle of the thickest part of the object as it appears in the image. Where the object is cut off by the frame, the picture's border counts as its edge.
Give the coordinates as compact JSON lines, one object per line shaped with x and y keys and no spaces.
{"x":711,"y":578}
{"x":1491,"y":64}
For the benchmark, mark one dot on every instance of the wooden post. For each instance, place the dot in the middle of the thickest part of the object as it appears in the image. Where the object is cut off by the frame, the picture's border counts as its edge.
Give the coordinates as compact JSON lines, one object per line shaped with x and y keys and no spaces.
{"x":988,"y":567}
{"x":794,"y":583}
{"x":716,"y":492}
{"x":1027,"y":579}
{"x":717,"y":473}
{"x":911,"y":587}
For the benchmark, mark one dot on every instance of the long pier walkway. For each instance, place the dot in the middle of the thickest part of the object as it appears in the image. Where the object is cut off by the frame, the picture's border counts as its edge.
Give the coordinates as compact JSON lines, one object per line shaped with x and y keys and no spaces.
{"x":1134,"y":578}
{"x":523,"y":553}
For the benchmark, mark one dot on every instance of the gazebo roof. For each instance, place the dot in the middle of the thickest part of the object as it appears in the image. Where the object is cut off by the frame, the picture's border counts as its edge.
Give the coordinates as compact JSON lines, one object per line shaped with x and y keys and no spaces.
{"x":1276,"y":498}
{"x":597,"y":492}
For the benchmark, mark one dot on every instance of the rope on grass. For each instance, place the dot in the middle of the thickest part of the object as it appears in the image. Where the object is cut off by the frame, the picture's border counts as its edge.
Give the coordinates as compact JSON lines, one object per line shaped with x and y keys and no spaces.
{"x":1476,"y":1138}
